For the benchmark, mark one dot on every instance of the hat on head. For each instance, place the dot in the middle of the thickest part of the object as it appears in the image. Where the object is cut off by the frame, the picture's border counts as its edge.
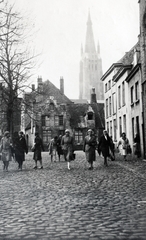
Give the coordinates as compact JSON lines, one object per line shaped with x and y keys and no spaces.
{"x":6,"y":133}
{"x":20,"y":132}
{"x":67,"y":130}
{"x":90,"y":130}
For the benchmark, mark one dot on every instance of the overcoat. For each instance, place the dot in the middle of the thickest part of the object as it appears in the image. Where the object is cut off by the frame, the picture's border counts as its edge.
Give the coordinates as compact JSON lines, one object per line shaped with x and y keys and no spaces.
{"x":89,"y":148}
{"x":104,"y":146}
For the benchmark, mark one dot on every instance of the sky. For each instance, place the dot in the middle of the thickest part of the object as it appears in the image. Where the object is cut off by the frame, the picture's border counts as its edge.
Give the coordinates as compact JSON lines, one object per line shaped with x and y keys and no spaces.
{"x":59,"y":29}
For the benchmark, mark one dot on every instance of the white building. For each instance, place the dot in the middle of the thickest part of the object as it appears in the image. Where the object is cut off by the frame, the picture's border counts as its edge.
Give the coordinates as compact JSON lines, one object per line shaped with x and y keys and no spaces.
{"x":122,"y":96}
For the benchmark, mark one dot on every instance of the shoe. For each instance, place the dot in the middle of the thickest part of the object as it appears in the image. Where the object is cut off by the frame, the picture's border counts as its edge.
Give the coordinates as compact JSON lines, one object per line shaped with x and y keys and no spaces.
{"x":90,"y":168}
{"x":41,"y":167}
{"x":35,"y":167}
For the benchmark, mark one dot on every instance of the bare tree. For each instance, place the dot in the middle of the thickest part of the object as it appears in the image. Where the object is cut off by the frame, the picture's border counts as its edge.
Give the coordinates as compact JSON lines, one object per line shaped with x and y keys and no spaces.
{"x":15,"y":62}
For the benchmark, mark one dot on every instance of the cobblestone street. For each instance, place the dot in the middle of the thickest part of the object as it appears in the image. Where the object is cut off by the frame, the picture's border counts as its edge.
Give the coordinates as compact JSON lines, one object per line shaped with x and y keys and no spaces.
{"x":55,"y":203}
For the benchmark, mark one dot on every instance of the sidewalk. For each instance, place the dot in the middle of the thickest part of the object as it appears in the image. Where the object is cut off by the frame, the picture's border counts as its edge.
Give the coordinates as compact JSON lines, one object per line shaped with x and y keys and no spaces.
{"x":133,"y":164}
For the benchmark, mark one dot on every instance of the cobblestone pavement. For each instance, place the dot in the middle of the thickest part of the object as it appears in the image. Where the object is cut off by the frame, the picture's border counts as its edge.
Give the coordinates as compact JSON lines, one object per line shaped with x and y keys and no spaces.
{"x":55,"y":203}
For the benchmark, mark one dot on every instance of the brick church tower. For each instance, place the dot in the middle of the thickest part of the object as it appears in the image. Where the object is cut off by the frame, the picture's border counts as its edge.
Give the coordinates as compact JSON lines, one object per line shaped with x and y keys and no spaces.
{"x":90,"y":67}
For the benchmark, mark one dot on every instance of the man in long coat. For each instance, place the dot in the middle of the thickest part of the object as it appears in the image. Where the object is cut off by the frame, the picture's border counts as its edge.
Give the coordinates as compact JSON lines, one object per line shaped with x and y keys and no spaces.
{"x":21,"y":148}
{"x":104,"y":146}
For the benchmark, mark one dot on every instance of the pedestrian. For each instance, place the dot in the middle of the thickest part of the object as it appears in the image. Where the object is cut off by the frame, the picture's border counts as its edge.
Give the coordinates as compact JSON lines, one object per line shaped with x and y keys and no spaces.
{"x":59,"y":147}
{"x":123,"y":145}
{"x":104,"y":146}
{"x":38,"y":148}
{"x":20,"y":148}
{"x":136,"y":145}
{"x":67,"y":144}
{"x":112,"y":149}
{"x":6,"y":150}
{"x":53,"y":149}
{"x":89,"y":147}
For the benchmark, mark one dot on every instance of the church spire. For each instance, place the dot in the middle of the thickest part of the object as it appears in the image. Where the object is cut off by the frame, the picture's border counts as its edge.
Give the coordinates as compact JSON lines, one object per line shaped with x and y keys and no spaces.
{"x":81,"y":49}
{"x":89,"y":43}
{"x":98,"y":48}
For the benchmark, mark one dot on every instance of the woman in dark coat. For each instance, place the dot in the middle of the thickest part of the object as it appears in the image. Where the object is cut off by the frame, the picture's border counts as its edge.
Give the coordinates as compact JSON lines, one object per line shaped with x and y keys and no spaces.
{"x":137,"y":145}
{"x":38,"y":148}
{"x":104,"y":146}
{"x":20,"y":148}
{"x":59,"y":148}
{"x":89,"y":148}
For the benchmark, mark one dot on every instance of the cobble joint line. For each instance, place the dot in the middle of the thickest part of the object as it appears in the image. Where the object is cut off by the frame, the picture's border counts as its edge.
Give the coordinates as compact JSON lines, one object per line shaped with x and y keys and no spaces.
{"x":55,"y":203}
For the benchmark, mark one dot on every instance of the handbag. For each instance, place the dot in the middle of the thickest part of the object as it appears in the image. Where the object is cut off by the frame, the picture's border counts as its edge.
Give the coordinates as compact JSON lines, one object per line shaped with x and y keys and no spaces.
{"x":129,"y":150}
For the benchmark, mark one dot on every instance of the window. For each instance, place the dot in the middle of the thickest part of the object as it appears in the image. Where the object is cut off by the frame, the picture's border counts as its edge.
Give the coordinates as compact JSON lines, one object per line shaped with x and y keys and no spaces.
{"x":47,"y":121}
{"x":114,"y":103}
{"x":106,"y":87}
{"x":78,"y":137}
{"x":133,"y":128}
{"x":56,"y":121}
{"x":136,"y":91}
{"x":51,"y":106}
{"x":90,"y":115}
{"x":46,"y":136}
{"x":109,"y":84}
{"x":110,"y":106}
{"x":123,"y":93}
{"x":132,"y":97}
{"x":43,"y":120}
{"x":107,"y":107}
{"x":137,"y":125}
{"x":61,"y":120}
{"x":95,"y":66}
{"x":119,"y":96}
{"x":124,"y":123}
{"x":107,"y":127}
{"x":115,"y":130}
{"x":111,"y":129}
{"x":120,"y":126}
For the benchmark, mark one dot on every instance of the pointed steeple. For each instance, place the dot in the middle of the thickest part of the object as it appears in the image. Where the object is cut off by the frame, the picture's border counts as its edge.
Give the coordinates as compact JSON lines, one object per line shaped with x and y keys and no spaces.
{"x":98,"y":48}
{"x":89,"y":43}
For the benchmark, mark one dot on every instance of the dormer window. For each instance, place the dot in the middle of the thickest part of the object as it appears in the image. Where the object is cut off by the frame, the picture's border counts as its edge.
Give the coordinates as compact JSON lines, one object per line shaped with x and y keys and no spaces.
{"x":90,"y":115}
{"x":51,"y":106}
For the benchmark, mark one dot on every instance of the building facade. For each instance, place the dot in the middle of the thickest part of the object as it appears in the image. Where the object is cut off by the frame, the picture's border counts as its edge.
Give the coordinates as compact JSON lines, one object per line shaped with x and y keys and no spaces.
{"x":123,"y":97}
{"x":50,"y":112}
{"x":90,"y":67}
{"x":142,"y":10}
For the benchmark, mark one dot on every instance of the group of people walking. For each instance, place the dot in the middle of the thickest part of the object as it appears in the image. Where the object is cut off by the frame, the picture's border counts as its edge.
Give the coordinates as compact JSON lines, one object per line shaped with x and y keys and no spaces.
{"x":64,"y":145}
{"x":16,"y":150}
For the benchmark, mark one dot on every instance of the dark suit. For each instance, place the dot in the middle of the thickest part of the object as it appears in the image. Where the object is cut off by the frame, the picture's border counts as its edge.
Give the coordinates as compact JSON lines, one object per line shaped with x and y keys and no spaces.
{"x":104,"y":146}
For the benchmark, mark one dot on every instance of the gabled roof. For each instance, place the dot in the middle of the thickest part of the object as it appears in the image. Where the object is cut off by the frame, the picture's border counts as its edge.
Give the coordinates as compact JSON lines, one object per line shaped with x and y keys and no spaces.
{"x":127,"y":59}
{"x":123,"y":64}
{"x":49,"y":89}
{"x":79,"y":110}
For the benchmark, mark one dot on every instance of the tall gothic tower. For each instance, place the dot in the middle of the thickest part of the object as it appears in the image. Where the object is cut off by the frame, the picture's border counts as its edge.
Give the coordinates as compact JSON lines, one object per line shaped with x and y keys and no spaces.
{"x":90,"y":67}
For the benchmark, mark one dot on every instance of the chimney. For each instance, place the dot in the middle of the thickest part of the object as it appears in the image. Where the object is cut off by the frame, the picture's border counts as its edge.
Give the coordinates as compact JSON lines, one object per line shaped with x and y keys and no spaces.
{"x":33,"y":87}
{"x":62,"y":85}
{"x":93,"y":96}
{"x":40,"y":84}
